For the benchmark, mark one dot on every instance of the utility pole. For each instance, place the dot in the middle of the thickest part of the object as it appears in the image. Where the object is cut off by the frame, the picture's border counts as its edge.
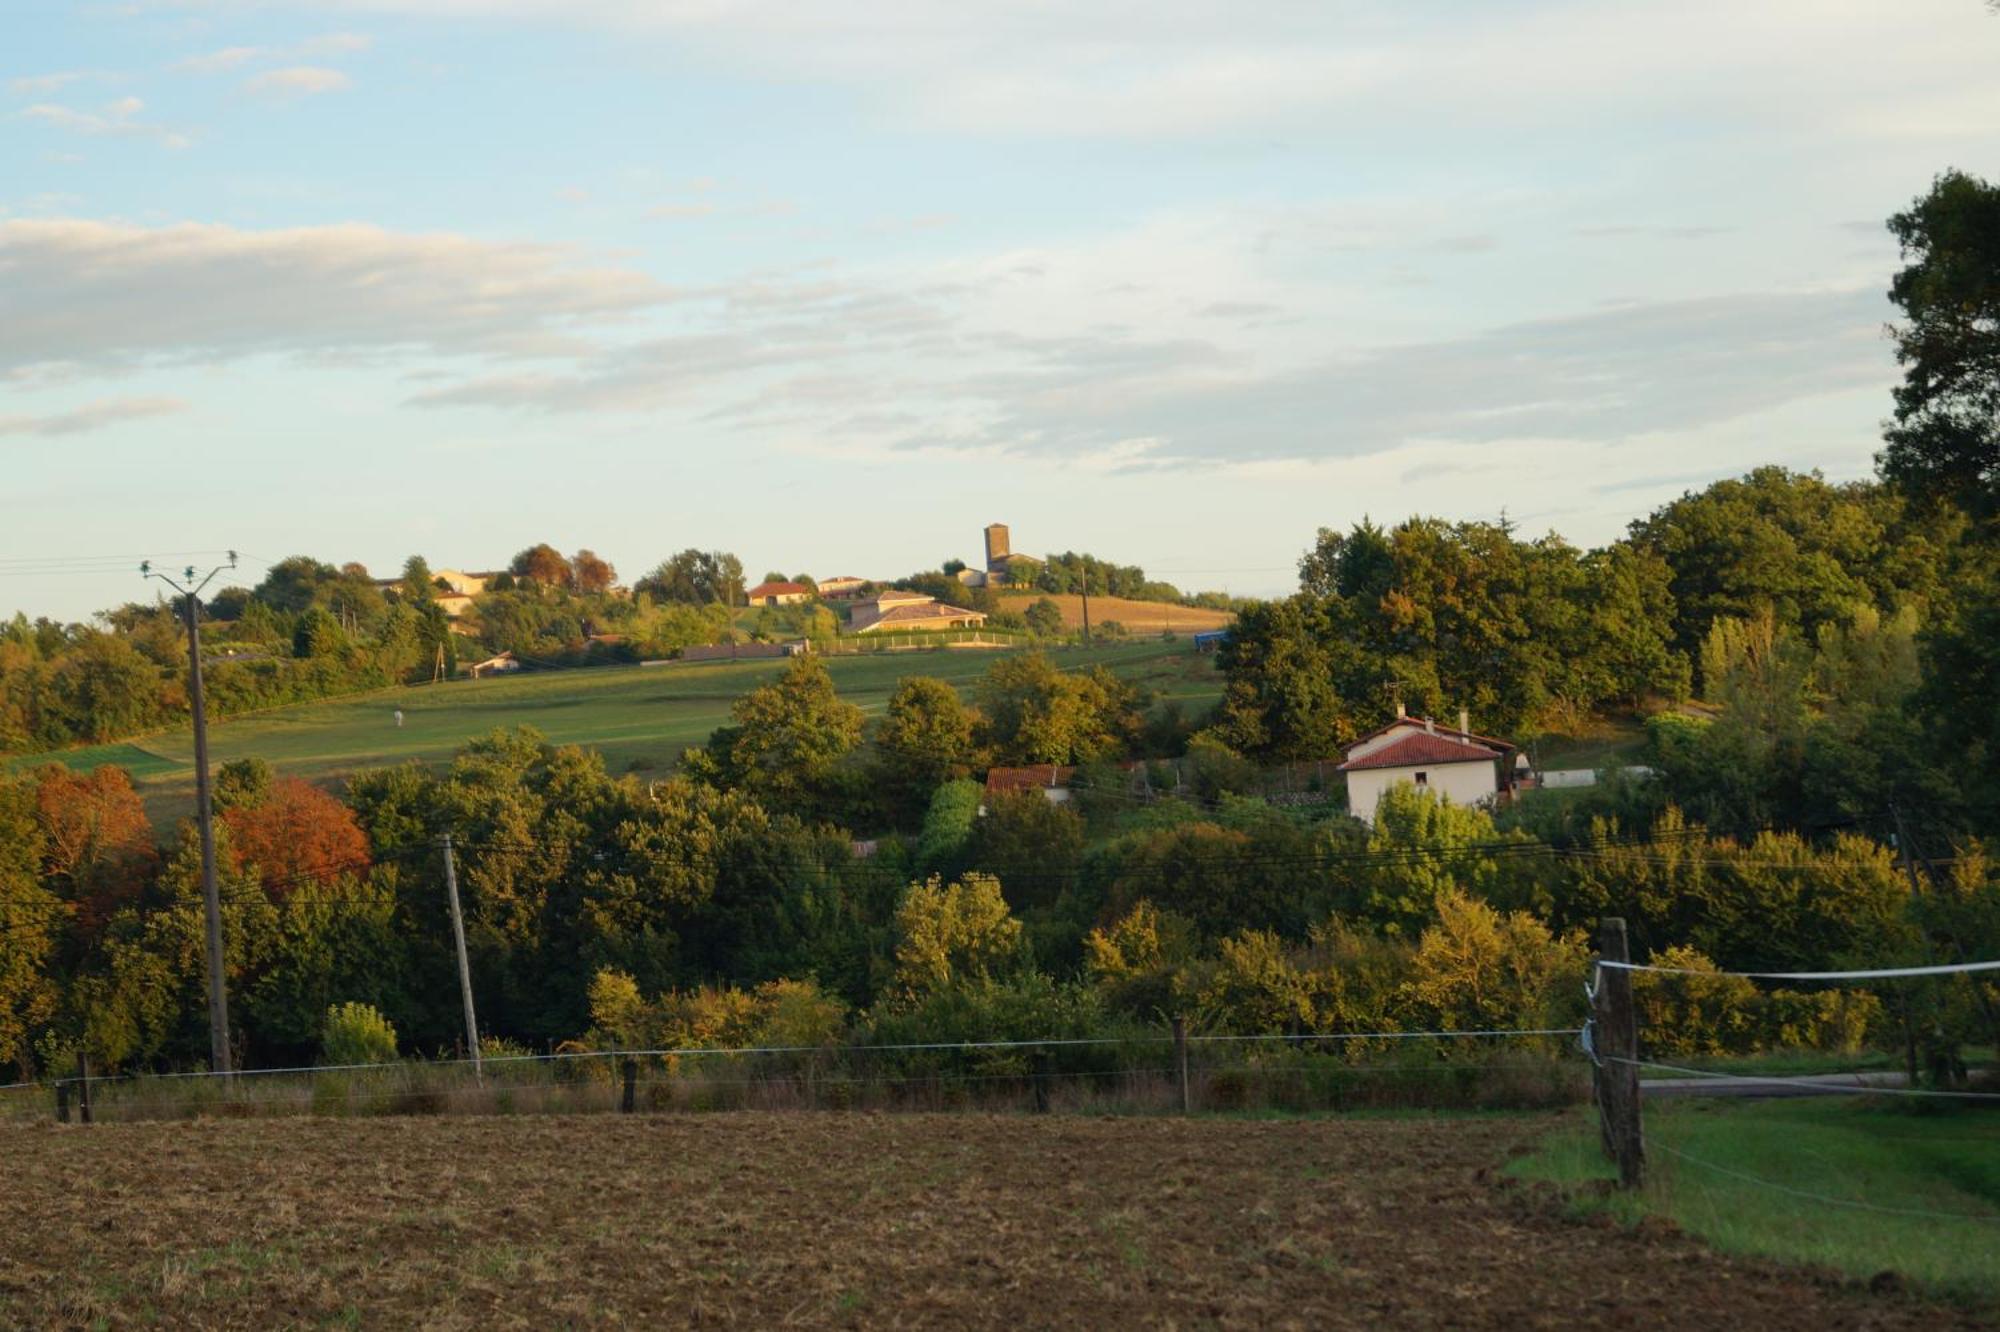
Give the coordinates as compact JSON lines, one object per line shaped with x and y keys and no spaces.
{"x":1615,"y":1031}
{"x":458,"y":938}
{"x":218,"y":996}
{"x":1085,"y":567}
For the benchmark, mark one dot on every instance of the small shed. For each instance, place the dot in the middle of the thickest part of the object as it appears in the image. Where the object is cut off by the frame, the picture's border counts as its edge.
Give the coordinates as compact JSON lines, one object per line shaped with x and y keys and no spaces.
{"x":498,"y":665}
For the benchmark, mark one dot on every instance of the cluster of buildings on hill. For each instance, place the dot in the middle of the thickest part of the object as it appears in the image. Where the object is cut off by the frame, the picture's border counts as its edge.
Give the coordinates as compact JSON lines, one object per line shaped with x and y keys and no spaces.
{"x":869,"y":609}
{"x":894,"y":609}
{"x":872,"y":612}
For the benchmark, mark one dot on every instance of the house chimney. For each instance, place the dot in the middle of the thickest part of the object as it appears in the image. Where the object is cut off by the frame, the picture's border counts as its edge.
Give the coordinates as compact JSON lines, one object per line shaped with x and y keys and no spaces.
{"x":1464,"y":721}
{"x":1430,"y":727}
{"x":1400,"y":711}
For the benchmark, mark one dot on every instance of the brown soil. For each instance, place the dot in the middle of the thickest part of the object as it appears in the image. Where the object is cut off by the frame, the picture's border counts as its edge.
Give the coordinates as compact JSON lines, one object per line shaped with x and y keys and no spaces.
{"x":766,"y":1219}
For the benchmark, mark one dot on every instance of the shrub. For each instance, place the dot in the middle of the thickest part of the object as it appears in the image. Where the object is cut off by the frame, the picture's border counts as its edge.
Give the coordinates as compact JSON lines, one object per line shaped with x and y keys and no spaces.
{"x":950,"y":932}
{"x":356,"y":1034}
{"x":1701,"y":1011}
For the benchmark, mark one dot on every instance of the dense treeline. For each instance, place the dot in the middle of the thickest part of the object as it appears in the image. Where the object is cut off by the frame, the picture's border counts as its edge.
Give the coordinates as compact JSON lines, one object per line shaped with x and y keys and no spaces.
{"x":599,"y":906}
{"x":1535,"y":637}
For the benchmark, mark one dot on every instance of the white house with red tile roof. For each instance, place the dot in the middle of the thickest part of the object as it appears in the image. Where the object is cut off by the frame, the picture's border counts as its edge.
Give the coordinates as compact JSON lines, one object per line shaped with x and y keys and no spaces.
{"x":901,"y":609}
{"x":1458,"y":765}
{"x":779,"y":594}
{"x":841,"y":586}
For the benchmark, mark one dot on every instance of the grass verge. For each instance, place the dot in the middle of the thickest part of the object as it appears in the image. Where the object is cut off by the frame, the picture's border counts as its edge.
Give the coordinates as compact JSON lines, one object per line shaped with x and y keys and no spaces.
{"x":1857,"y":1186}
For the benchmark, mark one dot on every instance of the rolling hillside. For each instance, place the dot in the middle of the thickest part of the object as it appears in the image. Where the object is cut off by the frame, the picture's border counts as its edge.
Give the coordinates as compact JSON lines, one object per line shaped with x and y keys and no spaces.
{"x":639,"y":717}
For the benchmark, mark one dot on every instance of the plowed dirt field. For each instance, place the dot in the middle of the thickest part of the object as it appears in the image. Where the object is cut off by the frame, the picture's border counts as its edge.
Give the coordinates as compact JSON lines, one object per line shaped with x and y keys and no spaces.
{"x":759,"y":1220}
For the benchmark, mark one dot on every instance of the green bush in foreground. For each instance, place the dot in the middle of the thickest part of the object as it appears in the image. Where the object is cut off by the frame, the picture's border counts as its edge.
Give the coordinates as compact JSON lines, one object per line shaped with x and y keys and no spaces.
{"x":356,"y":1034}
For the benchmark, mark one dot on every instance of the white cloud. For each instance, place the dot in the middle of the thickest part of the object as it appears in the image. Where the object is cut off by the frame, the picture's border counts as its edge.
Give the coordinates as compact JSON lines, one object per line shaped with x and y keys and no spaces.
{"x":313,"y":48}
{"x":298,"y":81}
{"x":332,"y":43}
{"x":1601,"y":376}
{"x":218,"y":62}
{"x":106,"y":296}
{"x":1360,"y":70}
{"x":36,"y":85}
{"x":91,"y":416}
{"x":117,"y":120}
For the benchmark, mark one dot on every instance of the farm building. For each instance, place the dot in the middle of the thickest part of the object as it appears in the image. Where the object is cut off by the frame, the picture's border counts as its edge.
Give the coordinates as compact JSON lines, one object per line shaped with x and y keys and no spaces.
{"x":1051,"y":779}
{"x":1210,"y":639}
{"x":499,"y":665}
{"x":779,"y":594}
{"x":841,"y":587}
{"x":797,"y":647}
{"x":902,"y":610}
{"x":465,"y":584}
{"x":1465,"y":768}
{"x":454,"y":604}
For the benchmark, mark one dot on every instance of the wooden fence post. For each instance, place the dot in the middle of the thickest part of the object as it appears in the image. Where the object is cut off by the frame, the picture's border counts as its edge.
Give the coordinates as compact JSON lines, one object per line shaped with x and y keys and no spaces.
{"x":62,"y":1100}
{"x":629,"y":1101}
{"x":1040,"y":1075}
{"x":83,"y":1085}
{"x":1615,"y":1040}
{"x":1180,"y":1063}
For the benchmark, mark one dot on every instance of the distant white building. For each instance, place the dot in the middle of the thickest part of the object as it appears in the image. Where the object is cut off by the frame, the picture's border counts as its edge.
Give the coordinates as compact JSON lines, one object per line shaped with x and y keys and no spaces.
{"x":1467,"y":769}
{"x":897,"y":609}
{"x":499,"y":665}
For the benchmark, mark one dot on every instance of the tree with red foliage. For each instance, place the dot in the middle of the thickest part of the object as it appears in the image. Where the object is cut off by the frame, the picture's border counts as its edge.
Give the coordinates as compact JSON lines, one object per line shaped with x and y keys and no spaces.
{"x":295,"y":832}
{"x":98,"y":847}
{"x":543,"y":565}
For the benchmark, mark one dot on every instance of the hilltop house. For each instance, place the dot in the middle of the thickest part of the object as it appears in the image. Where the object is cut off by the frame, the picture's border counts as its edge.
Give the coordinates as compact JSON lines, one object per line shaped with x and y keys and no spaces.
{"x":1468,"y":769}
{"x":464,"y":584}
{"x":779,"y":594}
{"x":899,"y":609}
{"x":841,"y":587}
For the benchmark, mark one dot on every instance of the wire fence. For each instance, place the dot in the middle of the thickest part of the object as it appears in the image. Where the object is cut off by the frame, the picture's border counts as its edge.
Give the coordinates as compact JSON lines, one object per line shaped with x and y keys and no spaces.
{"x":1817,"y":1197}
{"x":1138,"y":1069}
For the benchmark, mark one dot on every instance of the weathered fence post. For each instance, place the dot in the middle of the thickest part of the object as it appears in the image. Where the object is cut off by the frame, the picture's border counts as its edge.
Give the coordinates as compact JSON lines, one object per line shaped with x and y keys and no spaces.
{"x":1040,"y":1075}
{"x":83,"y":1085}
{"x":62,"y":1100}
{"x":1180,"y":1063}
{"x":1615,"y":1040}
{"x":629,"y":1101}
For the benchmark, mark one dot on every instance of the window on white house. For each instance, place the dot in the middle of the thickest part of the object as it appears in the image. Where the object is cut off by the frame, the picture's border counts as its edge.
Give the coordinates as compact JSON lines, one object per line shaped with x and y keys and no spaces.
{"x":1423,"y":779}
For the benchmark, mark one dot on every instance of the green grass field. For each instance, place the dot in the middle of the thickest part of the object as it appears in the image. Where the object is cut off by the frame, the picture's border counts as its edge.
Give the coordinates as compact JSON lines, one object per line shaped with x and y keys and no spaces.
{"x":639,"y":717}
{"x":1851,"y":1184}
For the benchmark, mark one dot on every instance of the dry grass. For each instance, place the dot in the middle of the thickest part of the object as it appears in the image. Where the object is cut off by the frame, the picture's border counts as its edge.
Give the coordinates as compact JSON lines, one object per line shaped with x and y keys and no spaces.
{"x":1109,"y":1079}
{"x":1139,"y":617}
{"x":840,"y":1219}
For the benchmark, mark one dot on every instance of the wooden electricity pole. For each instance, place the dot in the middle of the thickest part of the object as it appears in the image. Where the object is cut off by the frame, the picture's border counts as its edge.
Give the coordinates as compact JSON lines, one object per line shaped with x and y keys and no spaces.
{"x":458,"y":939}
{"x":1085,"y":567}
{"x":218,"y":995}
{"x":1615,"y":1033}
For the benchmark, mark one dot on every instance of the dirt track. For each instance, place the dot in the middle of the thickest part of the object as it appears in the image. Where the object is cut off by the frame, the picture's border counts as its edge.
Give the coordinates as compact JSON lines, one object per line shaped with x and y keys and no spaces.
{"x":759,"y":1219}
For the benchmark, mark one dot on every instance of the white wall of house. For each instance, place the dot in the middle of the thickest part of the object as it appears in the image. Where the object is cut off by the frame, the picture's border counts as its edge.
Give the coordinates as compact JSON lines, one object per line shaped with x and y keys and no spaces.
{"x":1461,"y":783}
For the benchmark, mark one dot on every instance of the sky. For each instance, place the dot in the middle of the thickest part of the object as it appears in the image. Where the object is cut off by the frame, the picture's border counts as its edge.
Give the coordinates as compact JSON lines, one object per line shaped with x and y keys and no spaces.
{"x":835,"y":285}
